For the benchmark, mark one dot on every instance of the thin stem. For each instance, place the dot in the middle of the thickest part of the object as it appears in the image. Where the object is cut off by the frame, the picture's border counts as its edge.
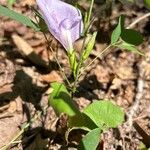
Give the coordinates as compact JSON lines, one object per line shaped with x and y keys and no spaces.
{"x":77,"y":76}
{"x":62,"y":72}
{"x":90,"y":12}
{"x":103,"y":51}
{"x":138,"y":20}
{"x":15,"y":138}
{"x":79,"y":73}
{"x":88,"y":22}
{"x":79,"y":67}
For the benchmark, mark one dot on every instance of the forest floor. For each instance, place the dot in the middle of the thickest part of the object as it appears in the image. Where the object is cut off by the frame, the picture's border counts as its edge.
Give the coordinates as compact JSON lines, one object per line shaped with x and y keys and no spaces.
{"x":119,"y":75}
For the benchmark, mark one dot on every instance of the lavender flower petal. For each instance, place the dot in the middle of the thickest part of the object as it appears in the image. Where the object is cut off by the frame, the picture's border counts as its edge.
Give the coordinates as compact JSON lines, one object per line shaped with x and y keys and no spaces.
{"x":64,"y":21}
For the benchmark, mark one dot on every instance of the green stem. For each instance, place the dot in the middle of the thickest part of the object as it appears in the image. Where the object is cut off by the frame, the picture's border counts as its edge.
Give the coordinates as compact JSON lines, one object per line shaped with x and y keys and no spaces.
{"x":90,"y":12}
{"x":79,"y":66}
{"x":87,"y":22}
{"x":73,"y":62}
{"x":103,"y":51}
{"x":79,"y":73}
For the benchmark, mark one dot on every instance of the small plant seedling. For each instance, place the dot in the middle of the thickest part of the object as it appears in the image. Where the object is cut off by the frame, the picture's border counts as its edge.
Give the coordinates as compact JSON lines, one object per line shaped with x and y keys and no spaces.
{"x":65,"y":23}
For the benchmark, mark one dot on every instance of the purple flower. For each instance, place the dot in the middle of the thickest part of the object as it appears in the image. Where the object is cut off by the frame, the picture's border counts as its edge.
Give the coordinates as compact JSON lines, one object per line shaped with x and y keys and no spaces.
{"x":64,"y":21}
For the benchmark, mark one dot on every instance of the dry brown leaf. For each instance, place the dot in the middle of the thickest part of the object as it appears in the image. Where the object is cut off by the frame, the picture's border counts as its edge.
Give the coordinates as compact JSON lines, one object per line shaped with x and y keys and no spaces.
{"x":12,"y":107}
{"x":125,"y":72}
{"x":27,"y":51}
{"x":51,"y":77}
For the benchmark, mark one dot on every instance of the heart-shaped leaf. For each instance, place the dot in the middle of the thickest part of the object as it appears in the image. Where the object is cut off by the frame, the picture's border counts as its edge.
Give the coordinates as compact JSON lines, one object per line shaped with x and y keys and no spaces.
{"x":104,"y":113}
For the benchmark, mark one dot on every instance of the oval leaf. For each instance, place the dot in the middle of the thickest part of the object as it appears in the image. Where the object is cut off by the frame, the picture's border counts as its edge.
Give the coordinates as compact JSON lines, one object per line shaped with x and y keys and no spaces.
{"x":132,"y":37}
{"x":105,"y":113}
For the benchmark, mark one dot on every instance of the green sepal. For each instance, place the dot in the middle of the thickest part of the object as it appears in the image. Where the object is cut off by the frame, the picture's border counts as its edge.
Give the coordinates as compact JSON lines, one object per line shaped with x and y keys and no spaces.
{"x":73,"y":62}
{"x":89,"y":46}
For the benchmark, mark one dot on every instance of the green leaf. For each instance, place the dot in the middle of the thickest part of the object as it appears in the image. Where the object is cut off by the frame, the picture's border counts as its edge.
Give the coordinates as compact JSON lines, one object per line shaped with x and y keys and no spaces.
{"x":91,"y":140}
{"x":130,"y":47}
{"x":89,"y":46}
{"x":117,"y":31}
{"x":61,"y":100}
{"x":18,"y":17}
{"x":105,"y":113}
{"x":81,"y":121}
{"x":131,"y":36}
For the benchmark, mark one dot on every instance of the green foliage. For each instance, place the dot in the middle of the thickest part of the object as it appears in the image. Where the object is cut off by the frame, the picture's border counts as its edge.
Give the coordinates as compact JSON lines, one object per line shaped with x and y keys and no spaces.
{"x":91,"y":140}
{"x":128,"y":35}
{"x":18,"y":17}
{"x":81,"y":121}
{"x":131,"y":36}
{"x":98,"y":114}
{"x":117,"y":31}
{"x":89,"y":46}
{"x":129,"y":47}
{"x":95,"y":118}
{"x":126,"y":38}
{"x":72,"y":61}
{"x":104,"y":113}
{"x":61,"y":100}
{"x":143,"y":147}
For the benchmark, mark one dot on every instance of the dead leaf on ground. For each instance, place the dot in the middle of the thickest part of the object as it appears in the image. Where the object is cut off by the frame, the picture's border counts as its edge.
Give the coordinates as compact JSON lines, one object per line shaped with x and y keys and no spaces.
{"x":10,"y":125}
{"x":51,"y":77}
{"x":27,"y":51}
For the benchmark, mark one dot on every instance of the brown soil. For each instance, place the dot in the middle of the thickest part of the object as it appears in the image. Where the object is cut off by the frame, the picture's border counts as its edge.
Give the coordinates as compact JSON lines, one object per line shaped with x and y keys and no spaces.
{"x":24,"y":83}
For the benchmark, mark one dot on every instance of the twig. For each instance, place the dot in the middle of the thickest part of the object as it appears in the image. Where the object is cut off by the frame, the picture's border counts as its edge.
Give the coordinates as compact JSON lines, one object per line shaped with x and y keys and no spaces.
{"x":138,"y":20}
{"x":135,"y":106}
{"x":140,"y":85}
